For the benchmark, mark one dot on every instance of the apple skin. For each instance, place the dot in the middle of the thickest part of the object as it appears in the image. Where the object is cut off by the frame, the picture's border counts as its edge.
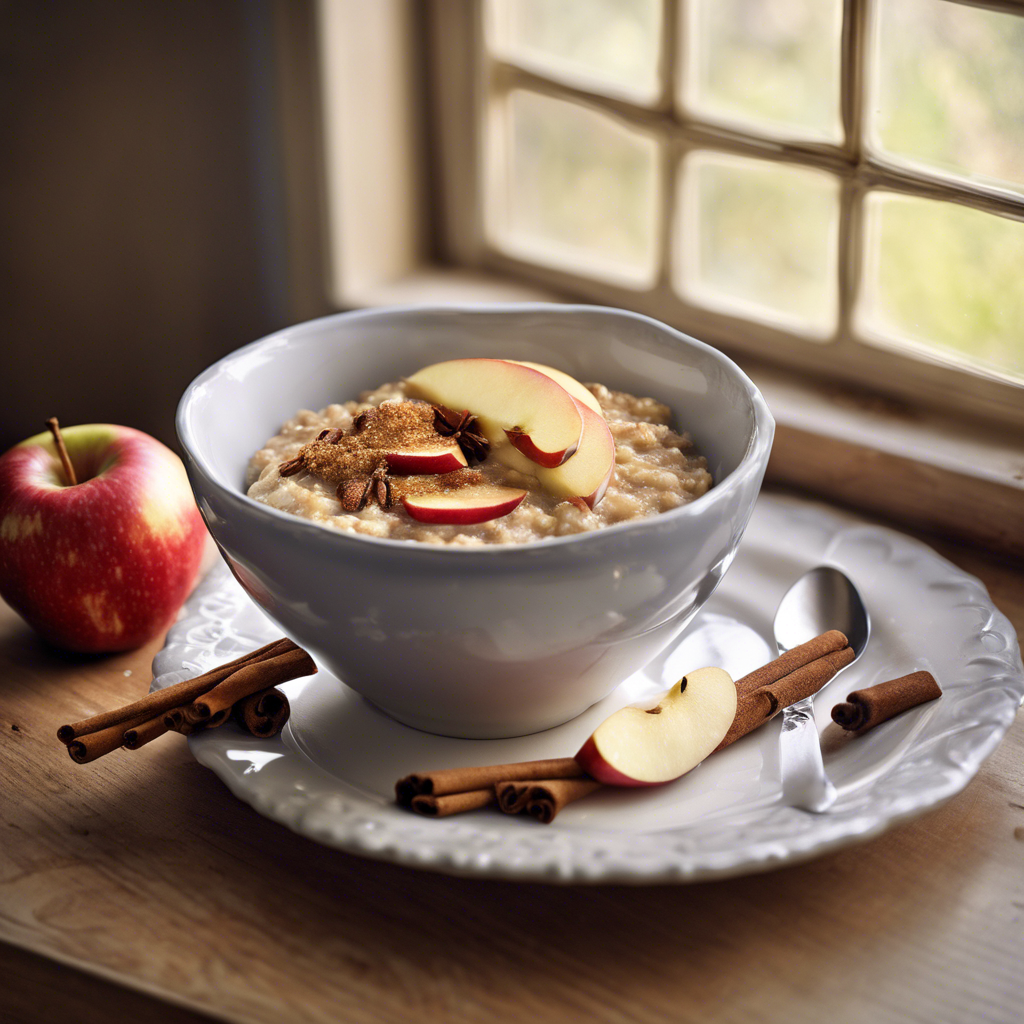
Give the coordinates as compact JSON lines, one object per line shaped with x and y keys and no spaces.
{"x":514,"y":404}
{"x":644,"y":747}
{"x":523,"y":443}
{"x":104,"y":565}
{"x":590,"y":760}
{"x":468,"y":505}
{"x":420,"y":463}
{"x":592,"y":471}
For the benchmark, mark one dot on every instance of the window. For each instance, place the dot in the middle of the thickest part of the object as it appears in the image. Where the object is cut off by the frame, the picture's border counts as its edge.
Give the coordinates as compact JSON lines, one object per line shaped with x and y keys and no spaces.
{"x":834,"y":186}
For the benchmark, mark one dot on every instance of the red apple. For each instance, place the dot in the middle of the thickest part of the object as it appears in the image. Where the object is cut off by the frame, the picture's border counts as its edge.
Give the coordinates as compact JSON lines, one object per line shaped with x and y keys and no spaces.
{"x":514,"y":404}
{"x":587,"y":474}
{"x":445,"y":457}
{"x":102,"y":565}
{"x":647,"y":747}
{"x":474,"y":504}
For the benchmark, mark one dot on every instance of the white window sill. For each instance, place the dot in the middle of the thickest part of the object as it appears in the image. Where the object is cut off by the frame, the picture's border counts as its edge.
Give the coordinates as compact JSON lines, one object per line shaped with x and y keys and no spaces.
{"x":956,"y":476}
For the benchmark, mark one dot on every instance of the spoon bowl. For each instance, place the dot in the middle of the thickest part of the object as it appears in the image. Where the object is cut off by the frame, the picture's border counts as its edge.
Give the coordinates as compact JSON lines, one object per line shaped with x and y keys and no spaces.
{"x":823,"y":598}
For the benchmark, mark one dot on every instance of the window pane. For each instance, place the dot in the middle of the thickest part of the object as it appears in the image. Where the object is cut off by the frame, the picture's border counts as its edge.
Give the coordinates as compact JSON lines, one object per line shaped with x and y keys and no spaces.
{"x":948,"y":83}
{"x":765,"y":65}
{"x":946,"y":279}
{"x":759,"y":239}
{"x":574,"y":189}
{"x":610,"y":46}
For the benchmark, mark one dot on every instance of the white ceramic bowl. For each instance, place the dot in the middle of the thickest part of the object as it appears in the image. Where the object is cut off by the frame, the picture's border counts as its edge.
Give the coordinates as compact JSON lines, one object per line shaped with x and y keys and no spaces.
{"x":477,"y":642}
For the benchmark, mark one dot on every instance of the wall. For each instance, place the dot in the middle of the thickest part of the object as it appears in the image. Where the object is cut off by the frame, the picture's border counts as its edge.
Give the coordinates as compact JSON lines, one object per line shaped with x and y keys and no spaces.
{"x":137,"y":229}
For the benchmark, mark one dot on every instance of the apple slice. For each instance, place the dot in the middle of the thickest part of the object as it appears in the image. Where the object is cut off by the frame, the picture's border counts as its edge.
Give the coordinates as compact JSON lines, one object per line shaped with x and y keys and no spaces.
{"x":637,"y":747}
{"x":587,"y":474}
{"x":445,"y":457}
{"x":467,"y":505}
{"x":514,"y":404}
{"x":571,"y":384}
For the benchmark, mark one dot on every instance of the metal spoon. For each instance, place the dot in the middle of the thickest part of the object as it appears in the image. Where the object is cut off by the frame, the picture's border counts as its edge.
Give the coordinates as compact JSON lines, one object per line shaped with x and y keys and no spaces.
{"x":823,"y":598}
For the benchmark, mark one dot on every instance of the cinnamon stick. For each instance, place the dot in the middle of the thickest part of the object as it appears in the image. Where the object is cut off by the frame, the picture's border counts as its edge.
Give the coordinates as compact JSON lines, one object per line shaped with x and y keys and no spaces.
{"x":462,"y":780}
{"x":512,"y":796}
{"x":809,"y":679}
{"x":185,"y":721}
{"x":190,"y":715}
{"x":217,"y":720}
{"x":454,"y":803}
{"x":250,"y":679}
{"x":140,"y":735}
{"x":790,"y":661}
{"x":95,"y":744}
{"x":174,"y":719}
{"x":177,"y":695}
{"x":758,"y":706}
{"x":543,"y":800}
{"x":263,"y":714}
{"x":864,"y":709}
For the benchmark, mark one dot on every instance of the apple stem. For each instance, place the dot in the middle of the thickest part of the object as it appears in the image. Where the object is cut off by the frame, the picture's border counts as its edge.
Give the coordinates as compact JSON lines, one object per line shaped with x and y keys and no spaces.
{"x":69,"y":470}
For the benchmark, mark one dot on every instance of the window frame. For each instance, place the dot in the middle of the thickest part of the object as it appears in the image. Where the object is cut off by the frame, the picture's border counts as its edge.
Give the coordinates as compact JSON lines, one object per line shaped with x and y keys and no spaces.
{"x":958,"y":473}
{"x":463,"y":80}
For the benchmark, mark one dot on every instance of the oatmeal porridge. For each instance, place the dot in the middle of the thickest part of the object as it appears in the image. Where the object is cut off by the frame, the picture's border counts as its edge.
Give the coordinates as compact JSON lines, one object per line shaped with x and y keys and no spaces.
{"x":327,"y":466}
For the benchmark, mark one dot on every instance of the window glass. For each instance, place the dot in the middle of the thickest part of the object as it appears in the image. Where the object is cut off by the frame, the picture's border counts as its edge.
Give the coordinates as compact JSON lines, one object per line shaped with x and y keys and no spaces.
{"x":759,"y":239}
{"x":573,"y":188}
{"x":948,"y":88}
{"x":610,"y":46}
{"x":946,"y":280}
{"x":767,"y":66}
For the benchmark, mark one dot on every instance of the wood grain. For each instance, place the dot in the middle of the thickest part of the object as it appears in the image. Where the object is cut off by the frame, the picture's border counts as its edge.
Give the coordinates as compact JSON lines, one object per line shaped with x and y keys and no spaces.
{"x":142,"y":869}
{"x":33,"y":983}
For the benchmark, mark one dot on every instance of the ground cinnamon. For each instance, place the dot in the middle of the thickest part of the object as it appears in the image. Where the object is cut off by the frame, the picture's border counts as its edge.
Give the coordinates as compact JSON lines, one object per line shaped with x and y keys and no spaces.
{"x":390,"y":427}
{"x":462,"y":780}
{"x":864,"y":709}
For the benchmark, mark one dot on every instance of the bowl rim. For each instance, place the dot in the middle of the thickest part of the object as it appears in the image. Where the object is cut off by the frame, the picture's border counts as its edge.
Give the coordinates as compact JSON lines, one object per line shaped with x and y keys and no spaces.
{"x":758,"y":445}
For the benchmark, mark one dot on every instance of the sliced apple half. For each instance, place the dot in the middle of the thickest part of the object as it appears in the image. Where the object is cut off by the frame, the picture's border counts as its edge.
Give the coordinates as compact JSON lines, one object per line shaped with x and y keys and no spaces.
{"x":514,"y":404}
{"x":571,"y":384}
{"x":467,"y":505}
{"x":444,"y":457}
{"x":637,"y":747}
{"x":587,"y":474}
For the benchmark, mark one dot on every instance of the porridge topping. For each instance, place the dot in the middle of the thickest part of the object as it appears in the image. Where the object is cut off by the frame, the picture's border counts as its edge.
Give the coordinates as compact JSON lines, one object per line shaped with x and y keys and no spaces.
{"x":396,"y":437}
{"x":550,"y":457}
{"x":462,"y":428}
{"x":354,"y":494}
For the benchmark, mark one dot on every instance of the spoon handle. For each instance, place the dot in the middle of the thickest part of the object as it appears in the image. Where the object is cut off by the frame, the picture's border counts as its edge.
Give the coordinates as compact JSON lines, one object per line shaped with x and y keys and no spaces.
{"x":804,"y":782}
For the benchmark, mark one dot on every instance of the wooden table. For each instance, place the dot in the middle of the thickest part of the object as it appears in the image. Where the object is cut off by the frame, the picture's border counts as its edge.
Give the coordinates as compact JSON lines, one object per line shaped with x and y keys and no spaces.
{"x":138,"y":886}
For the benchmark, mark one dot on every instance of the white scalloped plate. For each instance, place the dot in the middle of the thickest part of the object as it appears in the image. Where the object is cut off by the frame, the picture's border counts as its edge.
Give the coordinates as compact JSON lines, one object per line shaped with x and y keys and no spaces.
{"x":330,"y":774}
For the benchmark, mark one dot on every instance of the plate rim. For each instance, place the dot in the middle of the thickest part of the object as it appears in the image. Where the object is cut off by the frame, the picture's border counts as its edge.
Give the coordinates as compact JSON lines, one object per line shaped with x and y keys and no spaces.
{"x":337,"y":816}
